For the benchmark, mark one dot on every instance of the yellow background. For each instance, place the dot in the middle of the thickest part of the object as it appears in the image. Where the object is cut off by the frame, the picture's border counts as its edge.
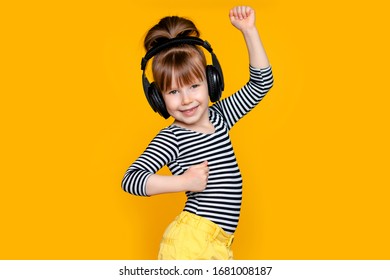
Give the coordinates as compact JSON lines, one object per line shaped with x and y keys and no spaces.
{"x":314,"y":155}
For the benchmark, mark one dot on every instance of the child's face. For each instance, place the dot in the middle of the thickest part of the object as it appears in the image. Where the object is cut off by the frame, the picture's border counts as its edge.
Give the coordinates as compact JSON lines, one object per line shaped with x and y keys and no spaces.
{"x":188,"y":104}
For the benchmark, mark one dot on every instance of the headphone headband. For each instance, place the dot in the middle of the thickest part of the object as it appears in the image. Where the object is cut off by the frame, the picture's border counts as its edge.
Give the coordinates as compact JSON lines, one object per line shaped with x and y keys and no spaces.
{"x":174,"y":42}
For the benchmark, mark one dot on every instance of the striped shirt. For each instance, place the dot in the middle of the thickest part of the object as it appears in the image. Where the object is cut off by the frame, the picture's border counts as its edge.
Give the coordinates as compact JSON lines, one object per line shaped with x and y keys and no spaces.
{"x":180,"y":148}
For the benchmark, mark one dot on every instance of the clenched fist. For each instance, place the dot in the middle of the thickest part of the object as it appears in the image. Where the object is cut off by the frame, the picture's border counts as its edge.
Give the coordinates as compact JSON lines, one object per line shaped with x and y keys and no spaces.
{"x":196,"y":177}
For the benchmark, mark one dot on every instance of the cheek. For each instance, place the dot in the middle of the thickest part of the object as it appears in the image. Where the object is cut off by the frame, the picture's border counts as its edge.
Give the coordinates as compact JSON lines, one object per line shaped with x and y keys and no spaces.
{"x":205,"y":96}
{"x":170,"y":101}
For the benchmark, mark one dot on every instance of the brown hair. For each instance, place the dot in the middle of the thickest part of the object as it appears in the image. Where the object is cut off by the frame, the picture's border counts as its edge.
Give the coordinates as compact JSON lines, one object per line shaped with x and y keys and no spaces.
{"x":185,"y":63}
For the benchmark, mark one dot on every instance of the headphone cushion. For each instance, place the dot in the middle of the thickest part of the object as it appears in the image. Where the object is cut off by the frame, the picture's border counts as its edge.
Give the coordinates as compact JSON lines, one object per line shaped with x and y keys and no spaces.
{"x":213,"y":83}
{"x":156,"y":101}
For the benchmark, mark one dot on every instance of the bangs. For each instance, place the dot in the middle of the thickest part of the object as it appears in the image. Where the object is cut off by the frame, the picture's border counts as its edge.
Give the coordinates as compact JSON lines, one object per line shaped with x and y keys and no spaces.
{"x":183,"y":66}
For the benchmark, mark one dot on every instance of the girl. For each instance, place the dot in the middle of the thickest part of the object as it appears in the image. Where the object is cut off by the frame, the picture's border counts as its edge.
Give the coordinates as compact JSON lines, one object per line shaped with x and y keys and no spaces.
{"x":196,"y":147}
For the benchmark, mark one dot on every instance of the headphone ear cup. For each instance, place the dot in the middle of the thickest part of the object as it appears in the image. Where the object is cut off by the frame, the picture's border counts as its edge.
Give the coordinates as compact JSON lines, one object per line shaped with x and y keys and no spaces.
{"x":156,"y":101}
{"x":214,"y":83}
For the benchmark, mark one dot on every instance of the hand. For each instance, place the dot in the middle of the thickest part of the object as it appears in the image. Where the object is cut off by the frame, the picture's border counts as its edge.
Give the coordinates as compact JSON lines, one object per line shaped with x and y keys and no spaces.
{"x":242,"y":17}
{"x":196,"y":177}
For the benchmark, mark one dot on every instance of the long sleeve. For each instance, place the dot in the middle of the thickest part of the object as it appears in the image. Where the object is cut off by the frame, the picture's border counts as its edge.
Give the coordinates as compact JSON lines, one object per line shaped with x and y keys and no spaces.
{"x":161,"y":150}
{"x":234,"y":107}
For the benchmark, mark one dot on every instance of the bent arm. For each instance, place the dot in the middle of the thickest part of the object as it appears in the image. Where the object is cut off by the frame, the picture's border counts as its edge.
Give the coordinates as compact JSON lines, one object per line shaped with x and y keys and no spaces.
{"x":194,"y":179}
{"x":160,"y":184}
{"x":141,"y":178}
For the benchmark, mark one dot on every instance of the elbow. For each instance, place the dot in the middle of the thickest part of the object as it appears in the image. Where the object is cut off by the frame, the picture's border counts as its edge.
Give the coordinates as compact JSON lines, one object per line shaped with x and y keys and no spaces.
{"x":267,"y":78}
{"x":262,"y":80}
{"x":126,"y":186}
{"x":271,"y":84}
{"x":267,"y":84}
{"x":134,"y":184}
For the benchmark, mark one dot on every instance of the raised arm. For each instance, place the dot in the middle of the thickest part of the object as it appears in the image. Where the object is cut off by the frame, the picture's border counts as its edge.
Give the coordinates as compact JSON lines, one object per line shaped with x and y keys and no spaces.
{"x":237,"y":105}
{"x":244,"y":19}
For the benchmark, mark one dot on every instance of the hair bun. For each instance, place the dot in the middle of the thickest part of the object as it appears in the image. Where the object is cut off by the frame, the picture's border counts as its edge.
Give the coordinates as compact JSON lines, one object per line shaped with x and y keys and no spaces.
{"x":168,"y":28}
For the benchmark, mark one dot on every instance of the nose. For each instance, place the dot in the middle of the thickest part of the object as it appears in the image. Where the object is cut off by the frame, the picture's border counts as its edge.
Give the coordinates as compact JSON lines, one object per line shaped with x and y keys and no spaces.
{"x":186,"y":98}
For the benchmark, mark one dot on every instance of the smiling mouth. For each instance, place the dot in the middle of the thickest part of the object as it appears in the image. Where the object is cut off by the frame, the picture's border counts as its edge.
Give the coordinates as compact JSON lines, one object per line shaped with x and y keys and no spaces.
{"x":189,"y":111}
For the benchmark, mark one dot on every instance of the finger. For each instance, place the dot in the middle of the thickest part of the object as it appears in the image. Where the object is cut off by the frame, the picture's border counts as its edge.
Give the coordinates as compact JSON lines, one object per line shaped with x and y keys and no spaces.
{"x":240,"y":11}
{"x":234,"y":12}
{"x":200,"y":166}
{"x":231,"y":13}
{"x":245,"y":11}
{"x":248,"y":11}
{"x":205,"y":166}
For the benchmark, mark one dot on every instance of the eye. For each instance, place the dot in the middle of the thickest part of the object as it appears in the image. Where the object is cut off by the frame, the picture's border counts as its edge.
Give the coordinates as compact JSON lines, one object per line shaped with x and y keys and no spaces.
{"x":174,"y":91}
{"x":195,"y":85}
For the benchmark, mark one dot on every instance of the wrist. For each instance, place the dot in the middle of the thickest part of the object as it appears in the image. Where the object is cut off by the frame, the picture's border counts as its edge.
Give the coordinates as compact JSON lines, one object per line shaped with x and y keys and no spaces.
{"x":250,"y":31}
{"x":182,"y":182}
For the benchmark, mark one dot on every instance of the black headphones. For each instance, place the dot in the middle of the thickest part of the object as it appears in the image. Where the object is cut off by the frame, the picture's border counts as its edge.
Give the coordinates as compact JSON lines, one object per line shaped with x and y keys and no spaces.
{"x":214,"y":74}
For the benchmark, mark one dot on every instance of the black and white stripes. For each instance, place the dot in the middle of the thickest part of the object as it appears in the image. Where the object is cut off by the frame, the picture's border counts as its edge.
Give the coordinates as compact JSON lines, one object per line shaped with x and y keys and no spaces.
{"x":179,"y":149}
